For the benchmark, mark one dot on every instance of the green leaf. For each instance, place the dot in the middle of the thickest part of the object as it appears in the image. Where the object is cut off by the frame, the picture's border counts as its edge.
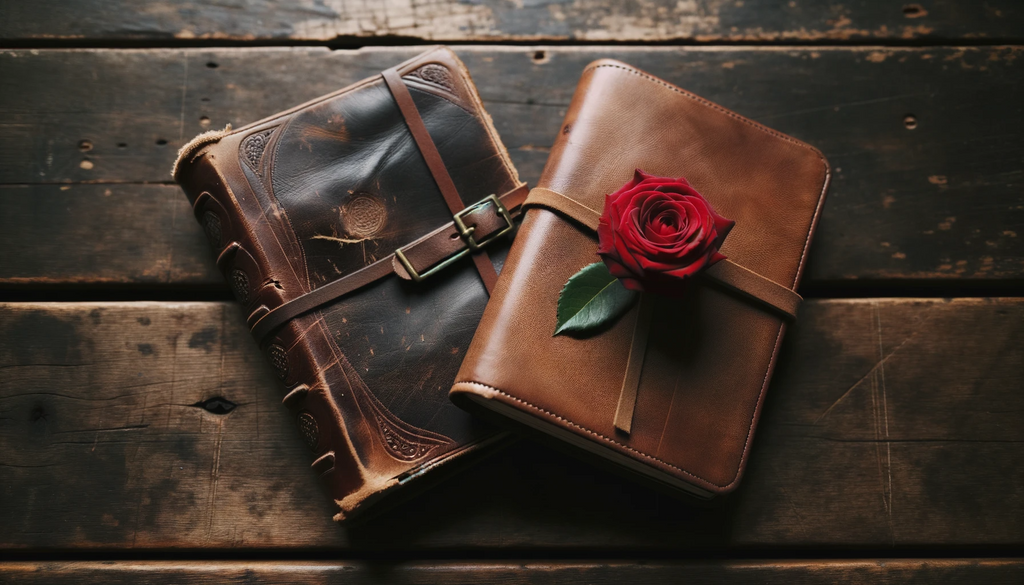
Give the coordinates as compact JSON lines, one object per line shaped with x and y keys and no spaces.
{"x":591,"y":298}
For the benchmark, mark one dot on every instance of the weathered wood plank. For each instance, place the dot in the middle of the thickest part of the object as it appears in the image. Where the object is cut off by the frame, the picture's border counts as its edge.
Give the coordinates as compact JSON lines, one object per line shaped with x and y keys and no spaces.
{"x":939,"y":202}
{"x":952,"y":571}
{"x":65,"y":235}
{"x":51,"y":21}
{"x":890,"y":423}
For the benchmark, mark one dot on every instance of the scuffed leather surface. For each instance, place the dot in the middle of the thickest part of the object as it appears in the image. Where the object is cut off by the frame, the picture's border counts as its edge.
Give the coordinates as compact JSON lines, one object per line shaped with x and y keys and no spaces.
{"x":321,"y":191}
{"x":710,"y":355}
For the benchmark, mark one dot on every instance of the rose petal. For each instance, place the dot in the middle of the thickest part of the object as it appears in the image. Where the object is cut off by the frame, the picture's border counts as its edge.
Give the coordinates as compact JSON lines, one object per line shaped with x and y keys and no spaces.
{"x":632,"y":284}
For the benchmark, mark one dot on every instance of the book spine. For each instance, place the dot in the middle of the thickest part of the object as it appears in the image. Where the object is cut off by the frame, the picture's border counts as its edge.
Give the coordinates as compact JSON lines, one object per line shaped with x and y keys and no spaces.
{"x":227,"y":213}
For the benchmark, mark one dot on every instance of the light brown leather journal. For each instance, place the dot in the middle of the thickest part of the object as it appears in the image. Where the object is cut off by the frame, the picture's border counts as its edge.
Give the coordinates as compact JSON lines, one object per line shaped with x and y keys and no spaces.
{"x":675,"y":405}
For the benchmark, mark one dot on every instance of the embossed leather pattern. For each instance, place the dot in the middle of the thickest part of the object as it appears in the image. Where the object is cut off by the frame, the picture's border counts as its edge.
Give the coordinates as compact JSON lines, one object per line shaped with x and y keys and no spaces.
{"x":709,"y":356}
{"x":306,"y":197}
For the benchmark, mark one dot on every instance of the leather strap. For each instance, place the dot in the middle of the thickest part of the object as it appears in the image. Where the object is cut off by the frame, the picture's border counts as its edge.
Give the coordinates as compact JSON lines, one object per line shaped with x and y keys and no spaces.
{"x":753,"y":285}
{"x":730,"y":274}
{"x":436,"y":164}
{"x":565,"y":205}
{"x":423,"y":253}
{"x":319,"y":296}
{"x":634,"y":364}
{"x":446,"y":242}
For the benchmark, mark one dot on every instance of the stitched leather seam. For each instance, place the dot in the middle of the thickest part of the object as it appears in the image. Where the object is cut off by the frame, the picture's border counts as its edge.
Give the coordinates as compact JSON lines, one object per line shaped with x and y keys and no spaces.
{"x":814,"y":222}
{"x":712,"y":105}
{"x":590,"y":432}
{"x":753,"y":124}
{"x":760,"y":397}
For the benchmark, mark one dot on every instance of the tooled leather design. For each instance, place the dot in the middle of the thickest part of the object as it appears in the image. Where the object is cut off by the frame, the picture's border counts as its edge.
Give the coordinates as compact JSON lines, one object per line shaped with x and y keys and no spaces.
{"x":364,"y":215}
{"x":379,"y":426}
{"x":309,"y":430}
{"x":252,"y":148}
{"x":279,"y":360}
{"x":436,"y":74}
{"x":399,"y":446}
{"x":240,"y":285}
{"x":399,"y":439}
{"x":212,"y":229}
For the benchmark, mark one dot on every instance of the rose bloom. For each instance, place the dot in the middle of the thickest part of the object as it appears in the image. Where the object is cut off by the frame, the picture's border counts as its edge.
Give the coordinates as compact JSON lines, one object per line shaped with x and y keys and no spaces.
{"x":657,"y":232}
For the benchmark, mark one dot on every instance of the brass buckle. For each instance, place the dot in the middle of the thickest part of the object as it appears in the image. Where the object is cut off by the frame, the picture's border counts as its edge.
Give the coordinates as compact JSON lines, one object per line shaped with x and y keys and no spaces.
{"x":466,"y":232}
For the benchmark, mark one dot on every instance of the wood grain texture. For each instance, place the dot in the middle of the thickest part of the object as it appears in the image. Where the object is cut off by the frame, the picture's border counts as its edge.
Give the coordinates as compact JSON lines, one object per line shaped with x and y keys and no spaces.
{"x":764,"y":21}
{"x":937,"y":203}
{"x":89,"y":235}
{"x":951,"y":571}
{"x":889,"y":424}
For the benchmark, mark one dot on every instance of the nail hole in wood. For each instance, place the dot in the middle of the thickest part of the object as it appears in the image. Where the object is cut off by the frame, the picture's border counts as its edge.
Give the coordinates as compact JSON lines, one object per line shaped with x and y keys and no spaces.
{"x":86,"y":164}
{"x":161,"y":142}
{"x":540,"y":56}
{"x":910,"y":122}
{"x":85,"y":146}
{"x":216,"y":405}
{"x":212,"y":65}
{"x":122,"y":145}
{"x":38,"y":414}
{"x":204,"y":121}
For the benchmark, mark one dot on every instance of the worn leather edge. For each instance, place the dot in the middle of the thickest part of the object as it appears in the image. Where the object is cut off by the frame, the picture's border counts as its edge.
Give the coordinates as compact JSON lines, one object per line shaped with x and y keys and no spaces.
{"x":487,"y":395}
{"x":377,"y":499}
{"x":486,"y":117}
{"x":212,"y":136}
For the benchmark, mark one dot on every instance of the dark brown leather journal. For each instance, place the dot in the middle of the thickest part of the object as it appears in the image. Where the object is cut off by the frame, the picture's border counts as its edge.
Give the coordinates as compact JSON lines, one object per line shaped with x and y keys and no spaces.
{"x":675,"y":405}
{"x":355,"y":231}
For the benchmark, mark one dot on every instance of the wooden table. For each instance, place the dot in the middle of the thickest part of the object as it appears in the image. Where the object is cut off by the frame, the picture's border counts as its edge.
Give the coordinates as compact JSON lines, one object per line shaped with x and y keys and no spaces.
{"x":141,"y":435}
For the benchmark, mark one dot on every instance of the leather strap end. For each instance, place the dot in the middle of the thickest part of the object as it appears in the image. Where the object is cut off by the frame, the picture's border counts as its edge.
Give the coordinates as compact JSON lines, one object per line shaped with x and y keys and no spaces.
{"x":634,"y":365}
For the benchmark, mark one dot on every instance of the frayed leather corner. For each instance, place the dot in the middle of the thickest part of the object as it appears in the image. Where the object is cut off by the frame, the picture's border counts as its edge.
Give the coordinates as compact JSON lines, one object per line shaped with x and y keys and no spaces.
{"x":196,"y":143}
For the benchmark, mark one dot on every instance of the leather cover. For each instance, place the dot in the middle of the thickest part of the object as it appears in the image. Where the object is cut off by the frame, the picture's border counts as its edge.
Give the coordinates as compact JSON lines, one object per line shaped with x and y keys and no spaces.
{"x":307,"y":197}
{"x":710,"y":355}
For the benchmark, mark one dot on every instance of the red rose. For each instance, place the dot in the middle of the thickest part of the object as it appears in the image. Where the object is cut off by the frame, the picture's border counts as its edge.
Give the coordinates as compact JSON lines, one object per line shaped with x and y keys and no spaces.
{"x":656,"y":232}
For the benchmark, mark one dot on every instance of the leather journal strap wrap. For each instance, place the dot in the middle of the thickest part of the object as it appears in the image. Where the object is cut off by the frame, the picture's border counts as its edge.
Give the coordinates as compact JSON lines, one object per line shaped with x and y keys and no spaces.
{"x":470,"y":229}
{"x":425,"y":252}
{"x":725,"y":272}
{"x":436,"y":165}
